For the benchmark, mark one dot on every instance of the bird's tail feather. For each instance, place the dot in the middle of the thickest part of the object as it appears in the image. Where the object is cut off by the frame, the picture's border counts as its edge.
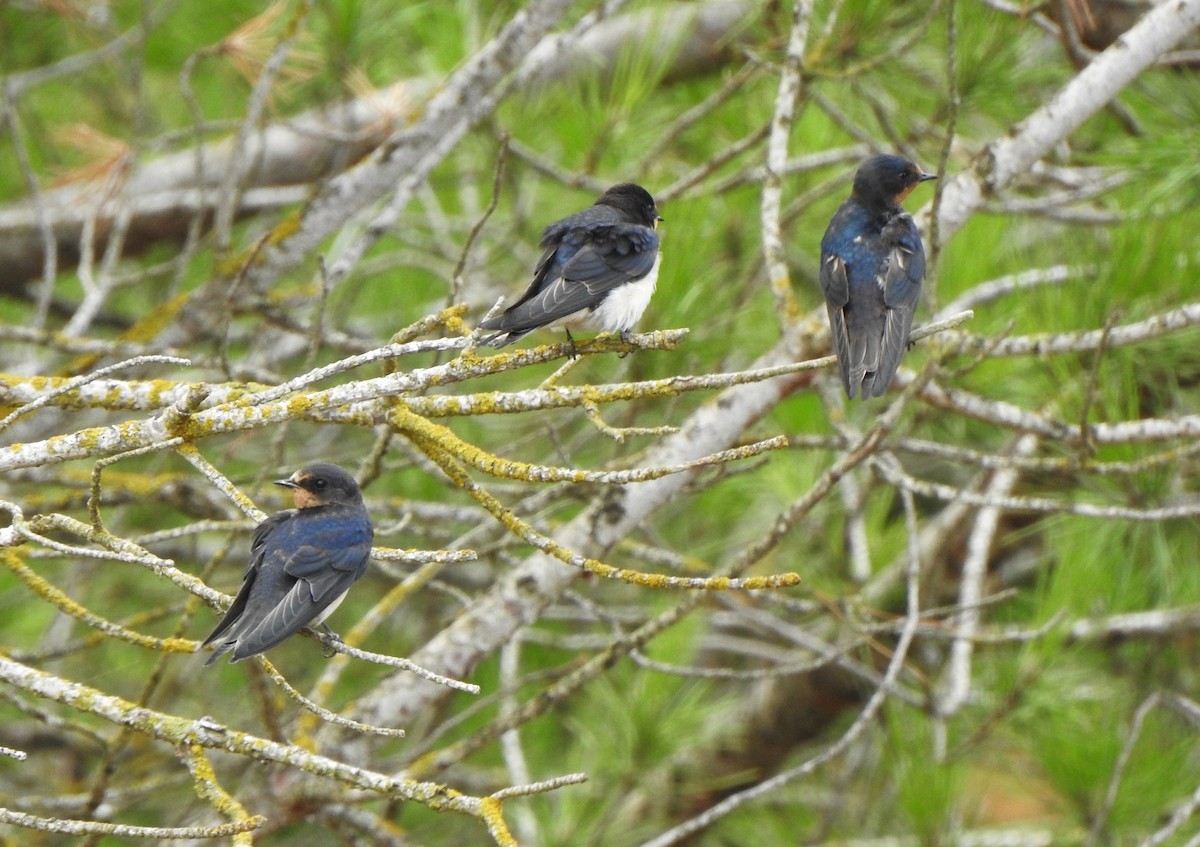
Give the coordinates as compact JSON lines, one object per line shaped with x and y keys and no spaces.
{"x":863,"y":365}
{"x":221,"y":650}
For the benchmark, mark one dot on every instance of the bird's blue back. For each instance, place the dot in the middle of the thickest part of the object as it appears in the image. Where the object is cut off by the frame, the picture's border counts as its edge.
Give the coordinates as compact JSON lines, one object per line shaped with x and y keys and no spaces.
{"x":857,"y":235}
{"x":871,"y":307}
{"x":342,"y":534}
{"x":329,"y":524}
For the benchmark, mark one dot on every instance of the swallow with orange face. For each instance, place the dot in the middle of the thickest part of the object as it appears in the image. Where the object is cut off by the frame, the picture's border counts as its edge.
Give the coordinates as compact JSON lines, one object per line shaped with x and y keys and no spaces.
{"x":302,"y":563}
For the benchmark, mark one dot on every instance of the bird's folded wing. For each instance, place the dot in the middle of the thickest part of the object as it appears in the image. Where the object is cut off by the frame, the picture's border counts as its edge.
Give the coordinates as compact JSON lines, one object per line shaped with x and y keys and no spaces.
{"x":293,"y":613}
{"x":257,"y":549}
{"x":298,"y":608}
{"x":585,"y":267}
{"x":836,"y":287}
{"x":901,"y":291}
{"x":835,"y":284}
{"x":310,"y":562}
{"x":235,"y":610}
{"x":905,"y":270}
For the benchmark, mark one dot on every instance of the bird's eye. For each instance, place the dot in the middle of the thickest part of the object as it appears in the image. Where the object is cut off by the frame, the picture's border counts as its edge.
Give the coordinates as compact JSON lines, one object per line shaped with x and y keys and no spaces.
{"x":318,"y":483}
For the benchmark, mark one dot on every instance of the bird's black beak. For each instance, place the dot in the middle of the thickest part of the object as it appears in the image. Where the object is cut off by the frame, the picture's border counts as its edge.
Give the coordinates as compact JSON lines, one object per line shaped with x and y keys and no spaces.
{"x":286,"y":483}
{"x":926,"y":177}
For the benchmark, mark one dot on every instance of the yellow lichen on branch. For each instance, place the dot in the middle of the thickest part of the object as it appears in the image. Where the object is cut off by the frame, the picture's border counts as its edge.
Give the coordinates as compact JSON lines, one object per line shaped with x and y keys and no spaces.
{"x":207,"y":735}
{"x":59,"y":599}
{"x":452,"y":464}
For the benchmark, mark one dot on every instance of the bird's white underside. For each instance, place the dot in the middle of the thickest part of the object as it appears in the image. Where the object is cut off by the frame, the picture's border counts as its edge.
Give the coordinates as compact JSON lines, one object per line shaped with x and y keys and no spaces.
{"x":621,"y":309}
{"x":330,"y":609}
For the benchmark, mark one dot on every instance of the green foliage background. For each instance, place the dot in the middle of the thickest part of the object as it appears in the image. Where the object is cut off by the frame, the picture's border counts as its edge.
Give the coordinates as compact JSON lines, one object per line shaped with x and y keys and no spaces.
{"x":1036,"y":746}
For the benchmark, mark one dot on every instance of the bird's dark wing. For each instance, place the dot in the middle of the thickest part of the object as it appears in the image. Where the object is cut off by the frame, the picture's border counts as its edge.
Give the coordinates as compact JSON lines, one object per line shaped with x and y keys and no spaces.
{"x":257,"y":545}
{"x":905,"y":268}
{"x":322,"y":574}
{"x":312,"y":562}
{"x":587,"y":263}
{"x":555,"y":254}
{"x":608,"y":259}
{"x":901,"y":292}
{"x":557,"y":250}
{"x":232,"y":617}
{"x":836,"y":287}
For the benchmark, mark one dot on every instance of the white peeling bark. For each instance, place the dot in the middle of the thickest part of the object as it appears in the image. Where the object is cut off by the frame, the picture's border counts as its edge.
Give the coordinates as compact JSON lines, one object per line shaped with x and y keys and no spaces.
{"x":1005,"y":159}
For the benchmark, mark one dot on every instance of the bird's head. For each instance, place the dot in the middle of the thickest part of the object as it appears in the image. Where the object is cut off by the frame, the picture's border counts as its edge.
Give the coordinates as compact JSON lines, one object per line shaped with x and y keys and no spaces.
{"x":634,"y":201}
{"x":320,"y":484}
{"x":885,"y":180}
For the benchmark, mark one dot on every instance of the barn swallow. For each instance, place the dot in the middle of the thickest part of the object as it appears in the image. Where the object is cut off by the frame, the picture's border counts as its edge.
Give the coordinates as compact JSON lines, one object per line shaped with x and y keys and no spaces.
{"x":872,"y":264}
{"x":598,"y":270}
{"x":302,"y":563}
